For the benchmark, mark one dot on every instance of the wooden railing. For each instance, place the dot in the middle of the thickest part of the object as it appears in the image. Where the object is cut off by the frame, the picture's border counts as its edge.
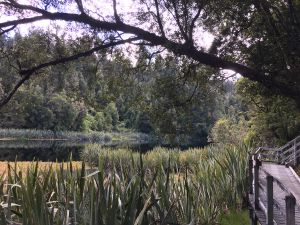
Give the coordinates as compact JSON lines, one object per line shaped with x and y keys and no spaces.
{"x":268,"y":207}
{"x":267,"y":154}
{"x":288,"y":154}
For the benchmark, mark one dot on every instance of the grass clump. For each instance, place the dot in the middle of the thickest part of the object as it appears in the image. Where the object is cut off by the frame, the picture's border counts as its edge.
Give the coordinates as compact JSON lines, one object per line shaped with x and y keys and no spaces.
{"x":122,"y":187}
{"x":31,"y":134}
{"x":235,"y":217}
{"x":92,"y":136}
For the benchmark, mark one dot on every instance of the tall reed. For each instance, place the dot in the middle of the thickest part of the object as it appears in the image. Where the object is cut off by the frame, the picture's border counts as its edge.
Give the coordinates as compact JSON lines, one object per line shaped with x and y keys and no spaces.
{"x":127,"y":189}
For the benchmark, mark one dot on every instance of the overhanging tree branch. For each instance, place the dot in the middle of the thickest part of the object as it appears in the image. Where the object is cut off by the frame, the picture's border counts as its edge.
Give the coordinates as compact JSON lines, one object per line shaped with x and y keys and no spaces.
{"x":15,"y":23}
{"x":267,"y":79}
{"x":7,"y":30}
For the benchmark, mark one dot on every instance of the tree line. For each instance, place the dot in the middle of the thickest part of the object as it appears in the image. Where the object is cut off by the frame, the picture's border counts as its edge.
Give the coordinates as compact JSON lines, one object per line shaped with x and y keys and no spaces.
{"x":167,"y":96}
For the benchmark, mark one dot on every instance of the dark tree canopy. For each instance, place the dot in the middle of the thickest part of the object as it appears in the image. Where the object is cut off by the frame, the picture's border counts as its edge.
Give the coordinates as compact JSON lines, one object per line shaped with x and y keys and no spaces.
{"x":260,"y":40}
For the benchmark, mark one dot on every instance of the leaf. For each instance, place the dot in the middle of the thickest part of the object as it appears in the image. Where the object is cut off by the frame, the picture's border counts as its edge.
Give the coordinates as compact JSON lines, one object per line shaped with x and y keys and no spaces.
{"x":92,"y":174}
{"x":140,"y":218}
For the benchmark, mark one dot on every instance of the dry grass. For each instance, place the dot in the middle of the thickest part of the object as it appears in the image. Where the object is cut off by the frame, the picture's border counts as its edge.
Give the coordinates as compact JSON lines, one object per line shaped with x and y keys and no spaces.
{"x":24,"y":165}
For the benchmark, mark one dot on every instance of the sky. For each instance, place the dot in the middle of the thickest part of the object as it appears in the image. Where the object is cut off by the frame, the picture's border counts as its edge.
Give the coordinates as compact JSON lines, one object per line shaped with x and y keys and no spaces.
{"x":124,"y":7}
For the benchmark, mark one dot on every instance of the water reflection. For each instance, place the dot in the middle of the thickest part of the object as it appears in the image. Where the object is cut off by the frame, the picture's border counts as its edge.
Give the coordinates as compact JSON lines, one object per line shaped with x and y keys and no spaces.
{"x":55,"y":150}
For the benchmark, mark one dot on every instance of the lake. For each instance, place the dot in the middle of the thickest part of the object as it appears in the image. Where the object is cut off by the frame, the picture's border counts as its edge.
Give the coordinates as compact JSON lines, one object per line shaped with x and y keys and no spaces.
{"x":52,"y":150}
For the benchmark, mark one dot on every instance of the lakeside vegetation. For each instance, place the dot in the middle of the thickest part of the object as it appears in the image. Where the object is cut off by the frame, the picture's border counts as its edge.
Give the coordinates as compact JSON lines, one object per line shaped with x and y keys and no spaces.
{"x":161,"y":187}
{"x":100,"y":137}
{"x":108,"y":93}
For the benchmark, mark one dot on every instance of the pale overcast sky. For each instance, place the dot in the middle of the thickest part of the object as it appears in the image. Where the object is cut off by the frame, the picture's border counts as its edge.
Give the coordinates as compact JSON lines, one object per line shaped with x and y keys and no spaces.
{"x":104,"y":7}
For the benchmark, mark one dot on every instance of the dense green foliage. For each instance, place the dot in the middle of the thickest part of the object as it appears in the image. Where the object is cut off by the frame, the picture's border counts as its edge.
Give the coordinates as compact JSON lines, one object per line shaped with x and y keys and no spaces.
{"x":253,"y":114}
{"x":107,"y":92}
{"x":128,"y":189}
{"x":264,"y":35}
{"x":169,"y":95}
{"x":273,"y":119}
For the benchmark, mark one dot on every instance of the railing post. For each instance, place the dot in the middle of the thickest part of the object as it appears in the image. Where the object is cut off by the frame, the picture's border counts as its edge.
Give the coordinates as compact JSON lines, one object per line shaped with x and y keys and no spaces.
{"x":253,"y":217}
{"x":278,"y":157}
{"x":270,"y":200}
{"x":290,"y":209}
{"x":295,"y":156}
{"x":250,"y":168}
{"x":256,"y":182}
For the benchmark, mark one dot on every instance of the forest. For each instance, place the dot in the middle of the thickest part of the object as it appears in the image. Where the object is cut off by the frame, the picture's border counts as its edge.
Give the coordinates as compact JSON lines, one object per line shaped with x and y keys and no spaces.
{"x":166,"y":97}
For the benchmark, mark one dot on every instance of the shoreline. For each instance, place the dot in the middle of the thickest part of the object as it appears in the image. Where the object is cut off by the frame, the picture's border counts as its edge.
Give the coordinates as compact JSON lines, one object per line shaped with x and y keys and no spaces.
{"x":34,"y":139}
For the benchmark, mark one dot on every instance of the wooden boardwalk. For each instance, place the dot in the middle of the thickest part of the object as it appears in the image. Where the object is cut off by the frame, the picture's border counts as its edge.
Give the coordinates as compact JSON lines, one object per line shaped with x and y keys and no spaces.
{"x":274,"y":188}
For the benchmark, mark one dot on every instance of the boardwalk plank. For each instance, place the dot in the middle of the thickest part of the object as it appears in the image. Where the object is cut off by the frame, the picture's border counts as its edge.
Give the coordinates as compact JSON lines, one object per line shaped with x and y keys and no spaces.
{"x":288,"y":181}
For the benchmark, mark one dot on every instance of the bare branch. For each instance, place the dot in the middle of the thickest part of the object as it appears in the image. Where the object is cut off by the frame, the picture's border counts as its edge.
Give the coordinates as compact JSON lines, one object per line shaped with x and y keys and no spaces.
{"x":7,"y":30}
{"x":190,"y":98}
{"x":192,"y":26}
{"x":6,"y":98}
{"x":186,"y":19}
{"x":159,"y":20}
{"x":151,"y":56}
{"x":116,"y":15}
{"x":177,"y":19}
{"x":80,"y":6}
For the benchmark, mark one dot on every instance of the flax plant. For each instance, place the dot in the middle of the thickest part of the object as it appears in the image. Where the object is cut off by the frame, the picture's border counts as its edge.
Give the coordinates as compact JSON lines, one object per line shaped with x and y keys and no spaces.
{"x":126,"y":188}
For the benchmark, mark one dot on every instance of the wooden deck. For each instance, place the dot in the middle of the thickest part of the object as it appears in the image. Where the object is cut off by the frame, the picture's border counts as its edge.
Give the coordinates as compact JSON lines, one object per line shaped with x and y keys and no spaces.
{"x":274,"y":188}
{"x":291,"y":184}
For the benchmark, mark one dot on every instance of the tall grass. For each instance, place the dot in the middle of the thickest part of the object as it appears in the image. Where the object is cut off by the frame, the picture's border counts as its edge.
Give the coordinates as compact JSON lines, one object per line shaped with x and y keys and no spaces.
{"x":31,"y":134}
{"x":103,"y":137}
{"x":160,"y":187}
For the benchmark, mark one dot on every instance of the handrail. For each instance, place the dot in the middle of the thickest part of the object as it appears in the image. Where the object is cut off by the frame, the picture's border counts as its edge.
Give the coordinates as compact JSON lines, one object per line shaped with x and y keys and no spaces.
{"x":257,"y":185}
{"x":267,"y":149}
{"x":267,"y":154}
{"x":286,"y":154}
{"x":281,"y":185}
{"x":290,"y":142}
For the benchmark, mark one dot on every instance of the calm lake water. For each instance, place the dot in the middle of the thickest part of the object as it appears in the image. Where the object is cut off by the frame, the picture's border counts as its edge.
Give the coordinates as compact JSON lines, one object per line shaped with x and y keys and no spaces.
{"x":54,"y":150}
